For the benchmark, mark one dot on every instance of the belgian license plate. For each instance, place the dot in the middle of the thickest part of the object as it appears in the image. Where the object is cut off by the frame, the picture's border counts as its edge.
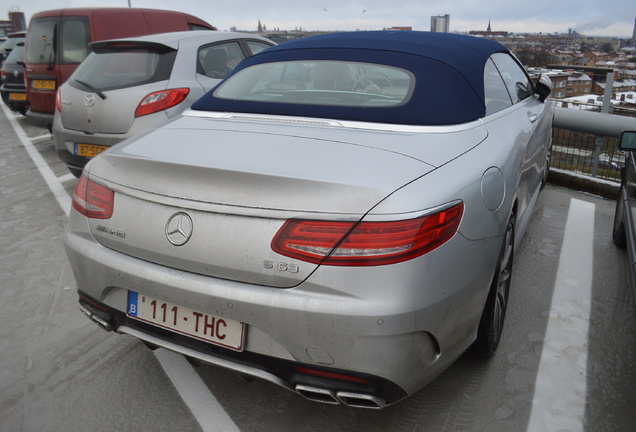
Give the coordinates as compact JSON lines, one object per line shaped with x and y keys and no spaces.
{"x":18,"y":96}
{"x":44,"y":84}
{"x":210,"y":328}
{"x":88,"y":150}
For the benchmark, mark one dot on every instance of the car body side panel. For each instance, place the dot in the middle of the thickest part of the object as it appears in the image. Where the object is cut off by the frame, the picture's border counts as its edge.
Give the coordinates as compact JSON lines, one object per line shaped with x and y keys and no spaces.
{"x":626,"y":214}
{"x":629,"y":197}
{"x":514,"y":146}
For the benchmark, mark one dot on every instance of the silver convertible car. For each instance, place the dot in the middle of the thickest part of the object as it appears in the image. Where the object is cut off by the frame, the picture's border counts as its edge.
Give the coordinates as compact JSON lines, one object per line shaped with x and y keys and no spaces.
{"x":339,"y":216}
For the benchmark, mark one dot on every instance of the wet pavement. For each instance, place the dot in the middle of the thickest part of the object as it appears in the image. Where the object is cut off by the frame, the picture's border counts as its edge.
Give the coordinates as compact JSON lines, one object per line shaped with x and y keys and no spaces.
{"x":567,"y":360}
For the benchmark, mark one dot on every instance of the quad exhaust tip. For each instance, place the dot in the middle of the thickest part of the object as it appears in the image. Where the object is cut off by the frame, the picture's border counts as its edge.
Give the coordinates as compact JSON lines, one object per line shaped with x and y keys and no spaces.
{"x":354,"y":400}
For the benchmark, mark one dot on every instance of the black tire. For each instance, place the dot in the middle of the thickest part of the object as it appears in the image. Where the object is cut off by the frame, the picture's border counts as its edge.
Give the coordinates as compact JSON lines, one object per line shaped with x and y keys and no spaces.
{"x":492,"y":318}
{"x":618,"y":230}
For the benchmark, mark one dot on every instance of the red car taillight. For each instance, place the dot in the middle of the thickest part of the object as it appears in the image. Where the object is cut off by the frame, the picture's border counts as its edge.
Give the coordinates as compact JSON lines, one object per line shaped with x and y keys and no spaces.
{"x":161,"y":100}
{"x":58,"y":99}
{"x":331,"y":375}
{"x":3,"y":74}
{"x":366,"y":243}
{"x":93,"y":200}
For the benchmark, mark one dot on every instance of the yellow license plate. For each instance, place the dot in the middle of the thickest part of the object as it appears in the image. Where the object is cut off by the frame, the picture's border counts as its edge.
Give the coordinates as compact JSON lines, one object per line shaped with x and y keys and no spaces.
{"x":89,"y":150}
{"x":44,"y":84}
{"x":17,"y":96}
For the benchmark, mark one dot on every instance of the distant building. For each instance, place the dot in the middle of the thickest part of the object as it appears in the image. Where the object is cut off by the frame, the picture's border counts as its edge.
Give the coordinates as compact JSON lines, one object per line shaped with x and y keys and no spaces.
{"x":440,"y":23}
{"x":488,"y":32}
{"x":566,"y":83}
{"x":15,"y":23}
{"x":634,"y":32}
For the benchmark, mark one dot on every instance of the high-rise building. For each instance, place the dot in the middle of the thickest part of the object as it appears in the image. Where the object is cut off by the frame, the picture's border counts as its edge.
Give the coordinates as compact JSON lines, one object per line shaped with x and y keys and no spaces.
{"x":440,"y":23}
{"x":15,"y":23}
{"x":634,"y":32}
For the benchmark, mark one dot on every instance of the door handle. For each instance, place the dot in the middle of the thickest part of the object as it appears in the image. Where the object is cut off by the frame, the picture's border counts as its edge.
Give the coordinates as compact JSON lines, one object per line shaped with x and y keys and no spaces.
{"x":533,"y":117}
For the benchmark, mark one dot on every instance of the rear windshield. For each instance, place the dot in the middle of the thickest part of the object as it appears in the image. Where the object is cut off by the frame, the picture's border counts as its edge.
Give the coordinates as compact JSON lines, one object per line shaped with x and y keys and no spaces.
{"x":55,"y":40}
{"x":41,"y":37}
{"x":121,"y":68}
{"x":17,"y":55}
{"x":324,"y":82}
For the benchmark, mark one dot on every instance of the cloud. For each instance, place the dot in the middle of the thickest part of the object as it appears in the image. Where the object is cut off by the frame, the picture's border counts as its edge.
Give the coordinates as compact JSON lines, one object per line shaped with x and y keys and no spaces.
{"x":609,"y":17}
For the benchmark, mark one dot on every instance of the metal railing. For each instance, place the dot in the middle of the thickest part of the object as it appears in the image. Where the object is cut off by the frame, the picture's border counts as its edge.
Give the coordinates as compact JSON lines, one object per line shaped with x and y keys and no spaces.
{"x":584,"y":137}
{"x":574,"y":151}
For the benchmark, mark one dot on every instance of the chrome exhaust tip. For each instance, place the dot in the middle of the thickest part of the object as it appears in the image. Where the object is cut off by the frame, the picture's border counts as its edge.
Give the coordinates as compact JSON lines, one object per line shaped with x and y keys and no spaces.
{"x":353,"y":400}
{"x":97,"y":320}
{"x":360,"y":400}
{"x":317,"y":394}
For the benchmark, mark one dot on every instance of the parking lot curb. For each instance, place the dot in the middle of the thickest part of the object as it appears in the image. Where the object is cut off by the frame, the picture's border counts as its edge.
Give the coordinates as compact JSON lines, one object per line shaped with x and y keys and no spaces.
{"x":603,"y":188}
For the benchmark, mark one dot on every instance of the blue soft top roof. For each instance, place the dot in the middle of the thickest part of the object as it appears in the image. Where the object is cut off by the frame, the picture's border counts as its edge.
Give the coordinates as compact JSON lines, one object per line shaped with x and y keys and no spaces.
{"x":449,"y":72}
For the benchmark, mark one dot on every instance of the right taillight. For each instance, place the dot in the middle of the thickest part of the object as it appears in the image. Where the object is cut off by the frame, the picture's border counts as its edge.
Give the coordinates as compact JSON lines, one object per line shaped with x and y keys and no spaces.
{"x":58,"y":100}
{"x":93,"y":200}
{"x":366,"y":243}
{"x":161,"y":100}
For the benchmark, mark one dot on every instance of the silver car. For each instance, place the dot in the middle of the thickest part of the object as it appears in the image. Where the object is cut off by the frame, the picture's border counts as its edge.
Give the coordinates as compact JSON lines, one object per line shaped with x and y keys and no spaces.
{"x":338,"y":217}
{"x":128,"y":86}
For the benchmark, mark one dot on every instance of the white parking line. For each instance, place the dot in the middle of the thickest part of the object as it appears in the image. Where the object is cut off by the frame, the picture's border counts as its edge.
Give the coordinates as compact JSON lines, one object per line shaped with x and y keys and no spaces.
{"x":197,"y":396}
{"x":204,"y":407}
{"x":52,"y":181}
{"x":561,"y":383}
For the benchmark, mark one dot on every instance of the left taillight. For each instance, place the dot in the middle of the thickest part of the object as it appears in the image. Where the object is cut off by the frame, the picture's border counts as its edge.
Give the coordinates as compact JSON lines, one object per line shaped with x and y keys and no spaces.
{"x":93,"y":200}
{"x":161,"y":100}
{"x":366,"y":243}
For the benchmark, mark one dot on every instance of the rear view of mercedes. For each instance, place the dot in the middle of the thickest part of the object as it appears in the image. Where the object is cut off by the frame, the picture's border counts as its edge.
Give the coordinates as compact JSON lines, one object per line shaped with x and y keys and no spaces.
{"x":329,"y":218}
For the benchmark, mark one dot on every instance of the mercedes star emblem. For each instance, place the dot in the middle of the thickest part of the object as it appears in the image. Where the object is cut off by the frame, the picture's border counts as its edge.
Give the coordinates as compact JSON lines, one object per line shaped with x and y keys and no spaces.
{"x":179,"y":229}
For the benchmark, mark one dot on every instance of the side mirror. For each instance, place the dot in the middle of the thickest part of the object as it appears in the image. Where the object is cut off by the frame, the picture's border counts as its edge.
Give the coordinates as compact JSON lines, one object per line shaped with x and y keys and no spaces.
{"x":627,"y":141}
{"x":543,"y":88}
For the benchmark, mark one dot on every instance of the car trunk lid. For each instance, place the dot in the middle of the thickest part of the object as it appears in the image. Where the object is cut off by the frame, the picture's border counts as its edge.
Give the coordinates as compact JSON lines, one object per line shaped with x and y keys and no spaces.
{"x":232,"y":186}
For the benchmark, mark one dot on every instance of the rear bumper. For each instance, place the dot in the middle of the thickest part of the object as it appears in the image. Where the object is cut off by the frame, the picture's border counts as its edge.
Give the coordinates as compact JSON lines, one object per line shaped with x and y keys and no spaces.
{"x":74,"y":162}
{"x":21,"y":106}
{"x":65,"y":139}
{"x":65,"y":142}
{"x":397,"y":332}
{"x":374,"y":393}
{"x":40,"y":119}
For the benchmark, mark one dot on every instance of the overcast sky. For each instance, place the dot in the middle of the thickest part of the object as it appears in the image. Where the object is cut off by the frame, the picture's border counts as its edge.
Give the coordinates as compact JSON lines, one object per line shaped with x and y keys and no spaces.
{"x":588,"y":17}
